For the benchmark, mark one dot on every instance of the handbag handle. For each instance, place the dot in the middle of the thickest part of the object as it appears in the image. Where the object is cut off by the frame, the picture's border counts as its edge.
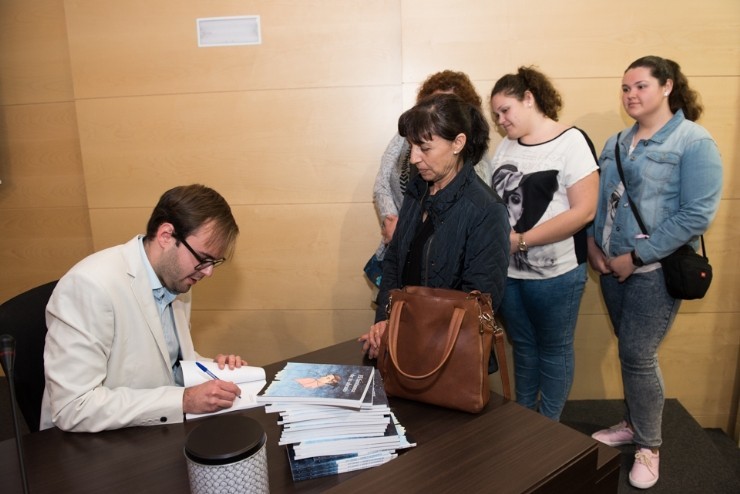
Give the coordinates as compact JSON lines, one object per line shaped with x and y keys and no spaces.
{"x":452,"y":332}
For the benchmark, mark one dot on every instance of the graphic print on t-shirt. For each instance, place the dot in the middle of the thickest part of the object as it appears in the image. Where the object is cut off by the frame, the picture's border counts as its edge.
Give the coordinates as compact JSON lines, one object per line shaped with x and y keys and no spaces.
{"x":527,"y":197}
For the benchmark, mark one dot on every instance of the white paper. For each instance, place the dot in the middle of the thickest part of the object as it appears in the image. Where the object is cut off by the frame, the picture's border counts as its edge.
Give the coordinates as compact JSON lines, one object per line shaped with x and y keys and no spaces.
{"x":250,"y":380}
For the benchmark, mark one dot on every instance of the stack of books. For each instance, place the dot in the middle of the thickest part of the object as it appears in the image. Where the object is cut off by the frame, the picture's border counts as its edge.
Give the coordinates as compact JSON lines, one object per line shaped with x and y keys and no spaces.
{"x":334,"y":418}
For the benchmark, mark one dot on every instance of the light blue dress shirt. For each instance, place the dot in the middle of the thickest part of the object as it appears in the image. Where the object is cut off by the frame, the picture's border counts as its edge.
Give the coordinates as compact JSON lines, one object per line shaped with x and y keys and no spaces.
{"x":164,"y":298}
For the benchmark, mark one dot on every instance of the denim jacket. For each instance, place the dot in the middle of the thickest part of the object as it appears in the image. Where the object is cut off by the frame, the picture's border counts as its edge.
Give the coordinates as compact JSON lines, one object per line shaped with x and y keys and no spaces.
{"x":675,"y":180}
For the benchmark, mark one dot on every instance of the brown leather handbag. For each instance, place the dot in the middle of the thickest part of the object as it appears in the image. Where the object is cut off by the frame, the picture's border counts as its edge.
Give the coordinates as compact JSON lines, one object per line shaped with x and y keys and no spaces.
{"x":437,"y":347}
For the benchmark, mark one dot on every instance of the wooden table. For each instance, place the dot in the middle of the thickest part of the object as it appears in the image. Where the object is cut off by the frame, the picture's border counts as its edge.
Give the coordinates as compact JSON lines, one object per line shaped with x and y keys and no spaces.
{"x":503,"y":449}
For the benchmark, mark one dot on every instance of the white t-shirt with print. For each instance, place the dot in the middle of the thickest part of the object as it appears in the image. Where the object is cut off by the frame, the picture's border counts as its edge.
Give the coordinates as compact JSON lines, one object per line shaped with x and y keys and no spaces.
{"x":533,"y":181}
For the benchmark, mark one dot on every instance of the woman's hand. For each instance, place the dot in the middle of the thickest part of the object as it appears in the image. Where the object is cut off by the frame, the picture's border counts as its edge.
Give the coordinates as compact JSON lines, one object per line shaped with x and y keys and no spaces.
{"x":596,"y":257}
{"x":371,"y":340}
{"x":388,"y":228}
{"x":621,"y":266}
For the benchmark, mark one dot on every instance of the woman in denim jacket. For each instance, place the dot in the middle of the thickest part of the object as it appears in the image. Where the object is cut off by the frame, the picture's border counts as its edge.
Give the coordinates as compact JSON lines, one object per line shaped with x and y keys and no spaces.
{"x":674,"y":176}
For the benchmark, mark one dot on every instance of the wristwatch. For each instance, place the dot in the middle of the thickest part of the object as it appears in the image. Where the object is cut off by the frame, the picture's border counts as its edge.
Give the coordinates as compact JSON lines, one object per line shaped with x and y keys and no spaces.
{"x":636,"y":260}
{"x":522,"y":244}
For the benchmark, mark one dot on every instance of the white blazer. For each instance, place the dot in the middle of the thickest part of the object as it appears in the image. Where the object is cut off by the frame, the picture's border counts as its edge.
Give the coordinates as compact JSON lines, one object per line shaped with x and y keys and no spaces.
{"x":106,"y":361}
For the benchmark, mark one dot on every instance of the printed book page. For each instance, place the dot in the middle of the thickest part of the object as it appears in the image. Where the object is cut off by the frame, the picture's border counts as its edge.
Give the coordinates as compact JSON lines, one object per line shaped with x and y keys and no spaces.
{"x":250,"y":380}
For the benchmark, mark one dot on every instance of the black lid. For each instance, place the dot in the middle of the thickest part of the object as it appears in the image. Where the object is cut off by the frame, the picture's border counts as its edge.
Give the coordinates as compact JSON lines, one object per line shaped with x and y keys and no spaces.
{"x":224,"y":439}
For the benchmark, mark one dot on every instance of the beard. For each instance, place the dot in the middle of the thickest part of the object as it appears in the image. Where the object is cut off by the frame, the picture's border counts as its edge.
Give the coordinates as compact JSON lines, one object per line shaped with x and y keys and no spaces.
{"x":171,"y":274}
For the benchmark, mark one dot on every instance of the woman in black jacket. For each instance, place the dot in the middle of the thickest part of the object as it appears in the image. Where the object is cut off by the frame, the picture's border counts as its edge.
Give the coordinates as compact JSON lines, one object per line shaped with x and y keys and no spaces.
{"x":453,"y":231}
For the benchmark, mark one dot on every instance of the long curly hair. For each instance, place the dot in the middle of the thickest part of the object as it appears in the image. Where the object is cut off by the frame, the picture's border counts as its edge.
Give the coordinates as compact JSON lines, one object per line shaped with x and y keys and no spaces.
{"x":546,"y":97}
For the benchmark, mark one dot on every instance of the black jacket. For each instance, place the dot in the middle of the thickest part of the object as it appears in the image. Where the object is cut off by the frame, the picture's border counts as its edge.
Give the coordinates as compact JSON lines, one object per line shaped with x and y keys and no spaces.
{"x":469,"y":249}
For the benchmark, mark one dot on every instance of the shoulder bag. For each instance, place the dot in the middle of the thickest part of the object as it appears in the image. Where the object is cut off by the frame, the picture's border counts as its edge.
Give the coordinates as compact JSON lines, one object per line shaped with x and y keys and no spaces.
{"x":437,"y":346}
{"x":687,"y":274}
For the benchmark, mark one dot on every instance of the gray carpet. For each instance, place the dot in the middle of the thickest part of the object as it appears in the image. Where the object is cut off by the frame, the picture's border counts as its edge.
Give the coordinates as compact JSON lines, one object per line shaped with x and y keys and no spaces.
{"x":692,"y":459}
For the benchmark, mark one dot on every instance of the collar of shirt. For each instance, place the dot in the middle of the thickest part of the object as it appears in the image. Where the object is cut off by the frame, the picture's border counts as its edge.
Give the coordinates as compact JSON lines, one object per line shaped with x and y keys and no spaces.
{"x":162,"y":295}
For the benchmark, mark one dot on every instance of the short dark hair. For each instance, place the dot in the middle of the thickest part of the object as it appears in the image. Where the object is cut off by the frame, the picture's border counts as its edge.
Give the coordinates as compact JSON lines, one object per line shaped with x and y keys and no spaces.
{"x":682,"y":97}
{"x":189,"y":207}
{"x":545,"y":95}
{"x":446,"y":116}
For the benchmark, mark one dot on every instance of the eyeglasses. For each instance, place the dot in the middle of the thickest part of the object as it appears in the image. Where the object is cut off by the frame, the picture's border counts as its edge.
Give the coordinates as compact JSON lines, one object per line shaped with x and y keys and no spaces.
{"x":203,"y":262}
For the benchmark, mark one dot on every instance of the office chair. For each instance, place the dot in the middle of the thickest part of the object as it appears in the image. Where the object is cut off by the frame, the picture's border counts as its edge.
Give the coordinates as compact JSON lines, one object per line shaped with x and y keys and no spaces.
{"x":24,"y":318}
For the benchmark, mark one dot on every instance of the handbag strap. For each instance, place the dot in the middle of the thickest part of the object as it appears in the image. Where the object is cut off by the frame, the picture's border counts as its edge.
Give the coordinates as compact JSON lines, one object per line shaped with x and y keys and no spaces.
{"x":452,"y":332}
{"x":503,"y":369}
{"x":629,"y":199}
{"x":624,"y":182}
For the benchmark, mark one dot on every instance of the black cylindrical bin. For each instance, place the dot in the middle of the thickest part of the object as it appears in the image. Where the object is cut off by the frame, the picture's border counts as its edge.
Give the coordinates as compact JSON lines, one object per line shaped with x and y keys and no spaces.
{"x":227,"y":454}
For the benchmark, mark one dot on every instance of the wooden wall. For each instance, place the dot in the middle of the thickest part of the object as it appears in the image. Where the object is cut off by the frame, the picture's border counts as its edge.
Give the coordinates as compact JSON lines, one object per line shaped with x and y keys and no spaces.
{"x":106,"y":104}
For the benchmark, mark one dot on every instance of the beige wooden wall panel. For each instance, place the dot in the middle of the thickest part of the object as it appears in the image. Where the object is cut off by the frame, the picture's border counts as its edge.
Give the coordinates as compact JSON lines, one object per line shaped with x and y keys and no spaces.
{"x":43,"y":208}
{"x":40,"y":157}
{"x":580,"y":38}
{"x":40,"y":245}
{"x":698,"y":359}
{"x":33,"y":52}
{"x":255,"y":147}
{"x":267,"y":336}
{"x":139,"y":47}
{"x":721,"y":99}
{"x":288,"y":257}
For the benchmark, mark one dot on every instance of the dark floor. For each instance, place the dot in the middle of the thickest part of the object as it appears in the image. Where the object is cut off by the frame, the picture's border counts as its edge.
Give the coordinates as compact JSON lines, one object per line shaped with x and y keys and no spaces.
{"x":693,"y":460}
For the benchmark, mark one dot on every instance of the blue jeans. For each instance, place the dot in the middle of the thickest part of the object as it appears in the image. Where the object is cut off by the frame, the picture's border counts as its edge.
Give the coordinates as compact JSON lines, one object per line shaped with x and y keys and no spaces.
{"x":540,"y":318}
{"x":641,"y":312}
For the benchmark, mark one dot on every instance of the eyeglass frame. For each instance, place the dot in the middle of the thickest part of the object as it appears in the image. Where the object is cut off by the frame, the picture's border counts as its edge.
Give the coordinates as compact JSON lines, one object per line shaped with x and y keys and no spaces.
{"x":203,"y":262}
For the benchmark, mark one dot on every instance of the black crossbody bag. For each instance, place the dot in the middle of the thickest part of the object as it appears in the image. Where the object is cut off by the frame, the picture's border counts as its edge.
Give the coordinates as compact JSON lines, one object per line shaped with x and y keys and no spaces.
{"x":687,"y":274}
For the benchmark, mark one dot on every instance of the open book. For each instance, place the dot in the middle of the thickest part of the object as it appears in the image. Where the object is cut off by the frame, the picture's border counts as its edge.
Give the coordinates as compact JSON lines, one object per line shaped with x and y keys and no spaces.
{"x":250,"y":380}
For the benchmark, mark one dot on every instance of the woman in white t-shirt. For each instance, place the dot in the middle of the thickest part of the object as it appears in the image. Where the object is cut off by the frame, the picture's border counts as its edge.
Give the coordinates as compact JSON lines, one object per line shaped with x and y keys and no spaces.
{"x":545,"y":172}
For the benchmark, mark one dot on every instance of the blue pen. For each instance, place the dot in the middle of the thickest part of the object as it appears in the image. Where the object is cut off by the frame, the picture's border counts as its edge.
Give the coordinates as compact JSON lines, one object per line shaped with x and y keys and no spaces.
{"x":210,"y":374}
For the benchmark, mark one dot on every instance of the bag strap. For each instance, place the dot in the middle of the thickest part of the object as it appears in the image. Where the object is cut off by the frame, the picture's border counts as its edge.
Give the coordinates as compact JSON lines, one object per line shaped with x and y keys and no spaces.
{"x":624,"y":182}
{"x":629,"y":199}
{"x":498,"y":347}
{"x":498,"y":339}
{"x":452,"y":332}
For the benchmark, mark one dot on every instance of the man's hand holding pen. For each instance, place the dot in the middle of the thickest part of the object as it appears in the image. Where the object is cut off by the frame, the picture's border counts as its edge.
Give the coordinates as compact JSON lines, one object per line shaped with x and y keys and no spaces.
{"x":211,"y":396}
{"x":216,"y":394}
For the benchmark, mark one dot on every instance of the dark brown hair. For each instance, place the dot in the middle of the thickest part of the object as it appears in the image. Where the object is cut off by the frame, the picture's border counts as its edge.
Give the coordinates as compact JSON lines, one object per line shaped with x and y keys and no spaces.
{"x":446,"y":116}
{"x":682,"y":97}
{"x":189,"y":207}
{"x":529,"y":79}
